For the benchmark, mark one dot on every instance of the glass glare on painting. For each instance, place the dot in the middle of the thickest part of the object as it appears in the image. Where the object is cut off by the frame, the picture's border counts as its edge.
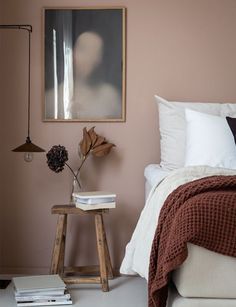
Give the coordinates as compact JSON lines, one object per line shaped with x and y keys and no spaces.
{"x":84,"y":64}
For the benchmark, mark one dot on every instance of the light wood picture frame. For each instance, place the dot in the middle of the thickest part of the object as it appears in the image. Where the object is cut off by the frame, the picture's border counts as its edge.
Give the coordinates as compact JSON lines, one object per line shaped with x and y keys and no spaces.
{"x":84,"y":64}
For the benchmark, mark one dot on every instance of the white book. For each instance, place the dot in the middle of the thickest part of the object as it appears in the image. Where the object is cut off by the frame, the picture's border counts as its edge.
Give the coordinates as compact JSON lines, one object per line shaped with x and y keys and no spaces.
{"x":94,"y":197}
{"x":86,"y":207}
{"x":45,"y":303}
{"x":94,"y":201}
{"x":41,"y":293}
{"x":41,"y":283}
{"x":30,"y":297}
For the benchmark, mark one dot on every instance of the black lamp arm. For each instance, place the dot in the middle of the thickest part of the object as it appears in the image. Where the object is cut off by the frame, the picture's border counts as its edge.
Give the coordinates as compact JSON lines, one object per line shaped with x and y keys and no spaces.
{"x":20,"y":27}
{"x":29,"y":29}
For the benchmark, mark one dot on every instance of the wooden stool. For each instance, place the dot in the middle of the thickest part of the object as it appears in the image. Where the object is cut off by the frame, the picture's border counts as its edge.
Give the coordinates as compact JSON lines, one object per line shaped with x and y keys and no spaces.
{"x":104,"y":270}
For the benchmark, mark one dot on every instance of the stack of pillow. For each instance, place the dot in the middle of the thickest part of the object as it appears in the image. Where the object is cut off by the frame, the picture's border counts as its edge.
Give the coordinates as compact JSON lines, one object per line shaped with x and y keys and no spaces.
{"x":197,"y":134}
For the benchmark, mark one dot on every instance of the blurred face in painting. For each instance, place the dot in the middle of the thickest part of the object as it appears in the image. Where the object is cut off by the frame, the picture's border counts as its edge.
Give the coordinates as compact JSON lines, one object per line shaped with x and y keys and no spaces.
{"x":88,"y":52}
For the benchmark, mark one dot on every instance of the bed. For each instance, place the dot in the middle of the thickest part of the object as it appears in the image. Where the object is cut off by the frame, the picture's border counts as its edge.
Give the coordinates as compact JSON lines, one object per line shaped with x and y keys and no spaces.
{"x":206,"y":278}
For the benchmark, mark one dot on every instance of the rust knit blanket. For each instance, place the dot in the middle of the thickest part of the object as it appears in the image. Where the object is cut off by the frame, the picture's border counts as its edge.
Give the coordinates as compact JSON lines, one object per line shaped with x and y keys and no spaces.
{"x":202,"y":212}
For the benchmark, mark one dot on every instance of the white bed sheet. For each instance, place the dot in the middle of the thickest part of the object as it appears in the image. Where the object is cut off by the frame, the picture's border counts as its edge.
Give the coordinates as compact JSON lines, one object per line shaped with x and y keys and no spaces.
{"x":153,"y":174}
{"x":137,"y":256}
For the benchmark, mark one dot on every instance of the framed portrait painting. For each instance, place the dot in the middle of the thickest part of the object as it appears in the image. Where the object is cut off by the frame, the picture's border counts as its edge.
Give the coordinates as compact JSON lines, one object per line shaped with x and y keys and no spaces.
{"x":84,"y":64}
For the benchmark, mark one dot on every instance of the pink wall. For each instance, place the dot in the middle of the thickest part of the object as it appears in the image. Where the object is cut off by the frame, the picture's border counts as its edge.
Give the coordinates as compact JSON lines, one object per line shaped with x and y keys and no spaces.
{"x":1,"y":132}
{"x":183,"y":49}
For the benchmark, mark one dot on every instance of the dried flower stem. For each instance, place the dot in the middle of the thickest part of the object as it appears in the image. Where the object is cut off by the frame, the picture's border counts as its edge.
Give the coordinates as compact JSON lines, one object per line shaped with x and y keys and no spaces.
{"x":82,"y":163}
{"x":78,"y":170}
{"x":74,"y":174}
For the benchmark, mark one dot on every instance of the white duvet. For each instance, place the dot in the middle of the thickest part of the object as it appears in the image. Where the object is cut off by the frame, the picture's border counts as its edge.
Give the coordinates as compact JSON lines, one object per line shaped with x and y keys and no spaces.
{"x":136,"y":260}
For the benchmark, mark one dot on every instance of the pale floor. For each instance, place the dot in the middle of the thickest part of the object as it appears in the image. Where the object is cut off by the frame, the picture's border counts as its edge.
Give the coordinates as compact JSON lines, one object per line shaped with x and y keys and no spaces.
{"x":124,"y":292}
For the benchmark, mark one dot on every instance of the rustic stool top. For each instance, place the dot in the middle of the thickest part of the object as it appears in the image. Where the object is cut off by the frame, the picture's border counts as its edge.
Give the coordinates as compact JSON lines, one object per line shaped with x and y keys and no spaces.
{"x":71,"y":209}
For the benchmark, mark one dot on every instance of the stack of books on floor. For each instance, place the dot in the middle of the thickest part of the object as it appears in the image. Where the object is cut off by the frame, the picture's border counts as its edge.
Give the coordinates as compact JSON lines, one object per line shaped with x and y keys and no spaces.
{"x":43,"y":290}
{"x":94,"y":200}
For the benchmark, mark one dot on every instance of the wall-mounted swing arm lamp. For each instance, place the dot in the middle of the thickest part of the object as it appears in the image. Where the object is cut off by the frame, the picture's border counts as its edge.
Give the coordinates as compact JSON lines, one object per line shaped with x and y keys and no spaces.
{"x":28,"y":147}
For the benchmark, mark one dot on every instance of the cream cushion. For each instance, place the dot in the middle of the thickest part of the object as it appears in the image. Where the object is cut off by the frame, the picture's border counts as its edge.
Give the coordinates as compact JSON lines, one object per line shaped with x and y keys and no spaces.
{"x":176,"y":300}
{"x":172,"y":125}
{"x":206,"y":274}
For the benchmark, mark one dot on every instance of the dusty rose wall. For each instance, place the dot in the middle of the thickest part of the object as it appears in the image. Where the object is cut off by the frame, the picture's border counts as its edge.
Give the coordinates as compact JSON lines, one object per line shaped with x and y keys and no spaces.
{"x":1,"y":138}
{"x":183,"y":49}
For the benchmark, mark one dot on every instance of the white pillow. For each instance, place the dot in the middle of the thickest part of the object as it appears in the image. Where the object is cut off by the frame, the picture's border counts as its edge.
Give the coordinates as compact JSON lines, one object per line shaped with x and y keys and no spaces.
{"x":209,"y":141}
{"x":173,"y":125}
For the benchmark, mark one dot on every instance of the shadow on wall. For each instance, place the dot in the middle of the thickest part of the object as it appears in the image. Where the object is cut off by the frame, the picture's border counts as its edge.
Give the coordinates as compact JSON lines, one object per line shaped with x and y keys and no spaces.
{"x":93,"y":172}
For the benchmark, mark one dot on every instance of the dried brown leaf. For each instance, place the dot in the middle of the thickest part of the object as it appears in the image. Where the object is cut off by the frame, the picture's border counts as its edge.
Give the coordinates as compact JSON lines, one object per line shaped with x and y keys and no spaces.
{"x":102,"y":150}
{"x":100,"y":140}
{"x":86,"y":143}
{"x":93,"y":135}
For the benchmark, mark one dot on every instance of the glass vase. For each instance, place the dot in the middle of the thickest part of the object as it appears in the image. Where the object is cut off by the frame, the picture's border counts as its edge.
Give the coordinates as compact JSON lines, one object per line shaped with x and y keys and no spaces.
{"x":76,"y":187}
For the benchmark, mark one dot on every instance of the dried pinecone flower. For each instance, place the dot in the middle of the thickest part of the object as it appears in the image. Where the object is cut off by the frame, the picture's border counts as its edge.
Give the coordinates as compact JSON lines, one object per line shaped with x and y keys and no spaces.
{"x":56,"y":158}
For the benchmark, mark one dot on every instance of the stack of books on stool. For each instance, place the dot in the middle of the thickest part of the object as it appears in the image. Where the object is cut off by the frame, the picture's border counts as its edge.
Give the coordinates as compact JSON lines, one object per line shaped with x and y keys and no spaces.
{"x":94,"y":200}
{"x":43,"y":290}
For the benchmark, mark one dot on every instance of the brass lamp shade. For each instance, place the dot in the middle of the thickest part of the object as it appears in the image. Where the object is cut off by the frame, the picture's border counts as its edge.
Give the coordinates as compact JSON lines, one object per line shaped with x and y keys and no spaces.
{"x":28,"y":146}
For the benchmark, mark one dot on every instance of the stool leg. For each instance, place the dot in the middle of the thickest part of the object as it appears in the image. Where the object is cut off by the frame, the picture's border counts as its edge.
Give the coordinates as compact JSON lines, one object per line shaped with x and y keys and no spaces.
{"x":62,"y":250}
{"x":107,"y":254}
{"x":57,"y":244}
{"x":101,"y":252}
